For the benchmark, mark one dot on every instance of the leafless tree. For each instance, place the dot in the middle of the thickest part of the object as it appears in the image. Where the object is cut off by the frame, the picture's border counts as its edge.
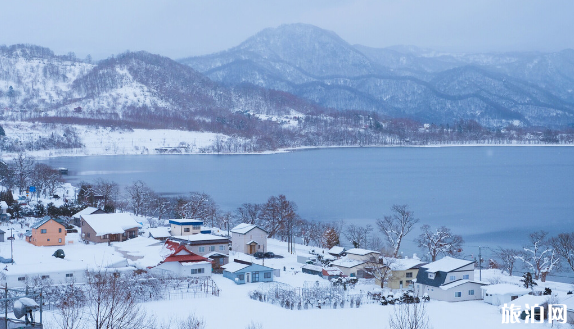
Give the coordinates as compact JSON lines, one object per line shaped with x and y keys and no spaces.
{"x":381,"y":269}
{"x":22,"y":167}
{"x":507,"y":257}
{"x":108,"y":190}
{"x":249,"y":213}
{"x":138,"y":195}
{"x":279,"y":217}
{"x":358,"y":235}
{"x":397,"y":225}
{"x":197,"y":206}
{"x":111,"y":302}
{"x":563,"y":244}
{"x":69,"y":311}
{"x":409,"y":316}
{"x":539,"y":257}
{"x":439,"y":241}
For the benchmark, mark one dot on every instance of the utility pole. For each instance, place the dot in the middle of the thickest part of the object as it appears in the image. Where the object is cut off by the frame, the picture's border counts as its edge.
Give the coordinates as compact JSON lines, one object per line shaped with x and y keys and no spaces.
{"x":479,"y":264}
{"x":11,"y":245}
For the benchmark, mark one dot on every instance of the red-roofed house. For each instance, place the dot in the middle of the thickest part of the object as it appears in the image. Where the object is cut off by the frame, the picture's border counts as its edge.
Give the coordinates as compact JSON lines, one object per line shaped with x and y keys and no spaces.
{"x":182,"y":263}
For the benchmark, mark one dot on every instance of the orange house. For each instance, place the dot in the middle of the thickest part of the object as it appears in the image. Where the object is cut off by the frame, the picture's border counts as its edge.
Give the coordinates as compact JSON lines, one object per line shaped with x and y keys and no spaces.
{"x":47,"y":232}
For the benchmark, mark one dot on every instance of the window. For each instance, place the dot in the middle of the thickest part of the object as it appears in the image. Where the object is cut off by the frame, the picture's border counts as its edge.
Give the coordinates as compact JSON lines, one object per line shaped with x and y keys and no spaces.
{"x":259,"y":247}
{"x":48,"y":239}
{"x":21,"y":278}
{"x":105,"y":236}
{"x":43,"y":231}
{"x":431,"y":276}
{"x":466,"y":276}
{"x":452,"y":278}
{"x":457,"y":294}
{"x":201,"y":249}
{"x":409,"y":274}
{"x":255,"y":276}
{"x":60,"y":230}
{"x":69,"y":275}
{"x":45,"y":277}
{"x":60,"y":240}
{"x":197,"y":270}
{"x":197,"y":227}
{"x":409,"y":282}
{"x":88,"y":235}
{"x":221,"y":248}
{"x":267,"y":275}
{"x":211,"y":248}
{"x":186,"y":229}
{"x":471,"y":292}
{"x":241,"y":277}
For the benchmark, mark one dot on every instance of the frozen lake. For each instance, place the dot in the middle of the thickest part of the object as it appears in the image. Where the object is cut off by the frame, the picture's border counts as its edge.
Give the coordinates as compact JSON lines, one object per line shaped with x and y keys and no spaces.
{"x":490,"y":195}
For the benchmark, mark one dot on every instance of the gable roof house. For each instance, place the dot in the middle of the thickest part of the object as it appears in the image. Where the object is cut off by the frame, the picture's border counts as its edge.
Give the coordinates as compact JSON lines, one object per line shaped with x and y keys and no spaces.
{"x":183,"y":263}
{"x":77,"y":217}
{"x":363,"y":254}
{"x":403,"y":272}
{"x":499,"y":294}
{"x":350,"y":267}
{"x":449,"y":279}
{"x":337,"y":251}
{"x":112,"y":227}
{"x":241,"y":273}
{"x":47,"y":232}
{"x":185,"y":226}
{"x":212,"y":246}
{"x":248,"y":238}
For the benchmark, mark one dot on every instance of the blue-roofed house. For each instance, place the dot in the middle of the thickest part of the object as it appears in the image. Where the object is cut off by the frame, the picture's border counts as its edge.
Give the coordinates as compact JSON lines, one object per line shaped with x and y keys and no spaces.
{"x":241,"y":273}
{"x":185,"y":226}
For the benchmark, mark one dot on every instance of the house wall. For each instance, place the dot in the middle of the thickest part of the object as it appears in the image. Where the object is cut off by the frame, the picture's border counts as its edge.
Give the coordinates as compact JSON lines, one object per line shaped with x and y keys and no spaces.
{"x":239,"y":241}
{"x":394,"y":281}
{"x":437,"y":293}
{"x":350,"y":271}
{"x":177,"y":229}
{"x":220,"y":247}
{"x":180,"y":271}
{"x":368,"y":257}
{"x":498,"y":299}
{"x":54,"y":232}
{"x":460,"y":273}
{"x":250,"y":270}
{"x":20,"y":280}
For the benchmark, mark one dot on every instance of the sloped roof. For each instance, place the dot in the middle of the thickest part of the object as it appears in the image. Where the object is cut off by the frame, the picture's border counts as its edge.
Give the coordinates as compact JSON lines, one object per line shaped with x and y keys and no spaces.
{"x":332,"y":271}
{"x":186,"y":221}
{"x":347,"y":262}
{"x":44,"y":221}
{"x":159,"y":232}
{"x":336,"y":250}
{"x":243,"y":228}
{"x":447,"y":264}
{"x":312,"y":267}
{"x":361,"y":252}
{"x":403,"y":264}
{"x":87,"y":211}
{"x":234,"y":267}
{"x":505,"y":288}
{"x":200,"y":237}
{"x":183,"y":255}
{"x":115,"y":223}
{"x":3,"y":204}
{"x":458,"y":283}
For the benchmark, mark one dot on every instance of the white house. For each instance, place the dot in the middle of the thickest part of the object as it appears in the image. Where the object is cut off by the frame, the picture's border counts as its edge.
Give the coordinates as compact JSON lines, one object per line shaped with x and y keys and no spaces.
{"x":203,"y":244}
{"x":183,"y":263}
{"x":499,"y":294}
{"x":363,"y":254}
{"x":77,"y":217}
{"x":185,"y":226}
{"x":350,"y":267}
{"x":449,"y":279}
{"x":248,"y":239}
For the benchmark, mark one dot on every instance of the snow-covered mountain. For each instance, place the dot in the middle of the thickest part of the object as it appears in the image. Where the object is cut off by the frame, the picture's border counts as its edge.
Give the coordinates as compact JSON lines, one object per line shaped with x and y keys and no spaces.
{"x":494,"y":89}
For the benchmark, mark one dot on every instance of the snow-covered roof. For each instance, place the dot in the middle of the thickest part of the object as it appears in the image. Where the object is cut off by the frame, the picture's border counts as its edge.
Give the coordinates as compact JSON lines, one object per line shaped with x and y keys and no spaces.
{"x":347,"y":262}
{"x":336,"y":250}
{"x":312,"y":267}
{"x":43,"y":221}
{"x":201,"y":237}
{"x":458,"y":283}
{"x":115,"y":223}
{"x":159,"y":232}
{"x":234,"y":267}
{"x":504,"y":289}
{"x":215,"y":254}
{"x":529,"y":300}
{"x":186,"y":221}
{"x":332,"y":271}
{"x":446,"y":264}
{"x":361,"y":252}
{"x":243,"y":228}
{"x":402,"y":264}
{"x":50,"y":266}
{"x":87,"y":211}
{"x":3,"y":204}
{"x":194,"y":263}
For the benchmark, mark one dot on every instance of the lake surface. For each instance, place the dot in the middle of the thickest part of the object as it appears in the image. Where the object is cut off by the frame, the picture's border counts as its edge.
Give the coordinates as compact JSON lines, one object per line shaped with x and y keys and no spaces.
{"x":493,"y":196}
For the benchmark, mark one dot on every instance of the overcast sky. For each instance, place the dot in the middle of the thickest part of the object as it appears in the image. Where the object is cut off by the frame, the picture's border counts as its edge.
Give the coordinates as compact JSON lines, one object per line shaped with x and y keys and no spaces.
{"x":181,"y":28}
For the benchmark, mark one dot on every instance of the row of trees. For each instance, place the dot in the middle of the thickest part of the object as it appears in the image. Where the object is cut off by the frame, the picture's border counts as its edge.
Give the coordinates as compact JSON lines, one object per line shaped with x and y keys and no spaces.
{"x":542,"y":255}
{"x":23,"y":171}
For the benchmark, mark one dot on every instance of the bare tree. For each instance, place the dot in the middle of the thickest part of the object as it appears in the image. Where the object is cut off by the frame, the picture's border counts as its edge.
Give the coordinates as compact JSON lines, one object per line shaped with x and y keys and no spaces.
{"x":381,"y":269}
{"x":440,"y":241}
{"x":197,"y":206}
{"x":249,"y":213}
{"x":397,"y":225}
{"x":22,"y":167}
{"x":563,"y":244}
{"x":69,"y":311}
{"x":112,"y":304}
{"x":358,"y":235}
{"x":138,"y":195}
{"x":107,"y":190}
{"x":409,"y":316}
{"x":279,"y":217}
{"x":507,"y":258}
{"x":539,"y":257}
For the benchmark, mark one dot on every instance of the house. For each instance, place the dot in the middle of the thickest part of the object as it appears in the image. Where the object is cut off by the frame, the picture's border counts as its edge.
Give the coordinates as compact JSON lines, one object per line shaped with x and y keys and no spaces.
{"x":203,"y":244}
{"x":185,"y":226}
{"x":113,"y":227}
{"x":403,"y":272}
{"x":248,"y":238}
{"x":337,"y":252}
{"x":47,"y":232}
{"x":350,"y":267}
{"x":449,"y":279}
{"x":183,"y":263}
{"x":312,"y":269}
{"x":77,"y":217}
{"x":159,"y":233}
{"x":363,"y":254}
{"x":327,"y":273}
{"x":499,"y":294}
{"x":241,"y":273}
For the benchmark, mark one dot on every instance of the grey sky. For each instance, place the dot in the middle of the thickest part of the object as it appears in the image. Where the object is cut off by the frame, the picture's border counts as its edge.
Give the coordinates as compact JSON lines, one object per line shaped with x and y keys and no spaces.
{"x":180,"y":28}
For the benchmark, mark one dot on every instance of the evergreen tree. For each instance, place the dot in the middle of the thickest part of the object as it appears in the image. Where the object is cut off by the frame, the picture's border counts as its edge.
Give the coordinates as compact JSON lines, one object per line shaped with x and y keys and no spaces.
{"x":2,"y":132}
{"x":528,"y":281}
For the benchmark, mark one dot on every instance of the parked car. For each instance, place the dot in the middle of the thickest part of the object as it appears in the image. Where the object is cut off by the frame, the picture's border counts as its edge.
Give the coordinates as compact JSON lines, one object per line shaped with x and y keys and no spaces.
{"x":269,"y":254}
{"x":259,"y":255}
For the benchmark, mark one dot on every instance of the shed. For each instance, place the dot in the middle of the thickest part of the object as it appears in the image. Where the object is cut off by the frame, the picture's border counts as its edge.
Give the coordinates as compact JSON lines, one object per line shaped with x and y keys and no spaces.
{"x":499,"y":294}
{"x":312,"y":269}
{"x":246,"y":273}
{"x":159,"y":233}
{"x":337,"y":251}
